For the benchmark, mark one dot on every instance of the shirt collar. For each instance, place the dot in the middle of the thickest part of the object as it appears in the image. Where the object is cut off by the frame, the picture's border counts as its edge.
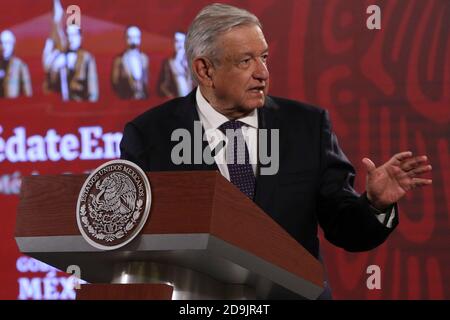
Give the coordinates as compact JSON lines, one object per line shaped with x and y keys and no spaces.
{"x":216,"y":119}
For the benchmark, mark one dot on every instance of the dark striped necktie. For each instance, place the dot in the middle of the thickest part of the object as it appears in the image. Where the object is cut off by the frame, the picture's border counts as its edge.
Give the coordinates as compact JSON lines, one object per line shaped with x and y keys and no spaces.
{"x":239,"y":167}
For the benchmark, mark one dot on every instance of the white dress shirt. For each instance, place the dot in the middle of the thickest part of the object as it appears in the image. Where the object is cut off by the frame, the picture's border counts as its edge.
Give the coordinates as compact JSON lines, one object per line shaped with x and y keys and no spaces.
{"x":211,"y":121}
{"x":133,"y":60}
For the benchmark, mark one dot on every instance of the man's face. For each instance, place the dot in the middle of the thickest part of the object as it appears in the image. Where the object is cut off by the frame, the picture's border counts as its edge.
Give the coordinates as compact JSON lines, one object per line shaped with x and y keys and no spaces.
{"x":179,"y":42}
{"x":74,"y":37}
{"x":241,"y":79}
{"x":133,"y":37}
{"x":7,"y":42}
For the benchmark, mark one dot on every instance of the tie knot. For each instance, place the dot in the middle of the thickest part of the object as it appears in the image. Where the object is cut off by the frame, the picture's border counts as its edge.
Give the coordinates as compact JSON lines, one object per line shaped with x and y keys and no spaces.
{"x":231,"y":125}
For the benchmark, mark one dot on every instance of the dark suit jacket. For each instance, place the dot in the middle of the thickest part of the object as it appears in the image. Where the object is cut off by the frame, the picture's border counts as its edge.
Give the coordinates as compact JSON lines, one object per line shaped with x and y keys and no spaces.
{"x":314,"y":184}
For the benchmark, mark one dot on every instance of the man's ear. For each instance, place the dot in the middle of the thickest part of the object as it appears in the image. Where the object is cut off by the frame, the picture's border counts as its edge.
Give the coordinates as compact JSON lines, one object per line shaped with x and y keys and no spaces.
{"x":203,"y":69}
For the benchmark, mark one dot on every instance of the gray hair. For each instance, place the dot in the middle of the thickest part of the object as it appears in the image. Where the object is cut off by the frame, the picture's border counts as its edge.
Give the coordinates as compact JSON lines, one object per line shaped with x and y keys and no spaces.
{"x":213,"y":21}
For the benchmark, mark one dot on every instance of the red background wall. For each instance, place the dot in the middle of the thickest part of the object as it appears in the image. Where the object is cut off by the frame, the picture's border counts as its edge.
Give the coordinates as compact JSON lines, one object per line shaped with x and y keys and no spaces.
{"x":387,"y":90}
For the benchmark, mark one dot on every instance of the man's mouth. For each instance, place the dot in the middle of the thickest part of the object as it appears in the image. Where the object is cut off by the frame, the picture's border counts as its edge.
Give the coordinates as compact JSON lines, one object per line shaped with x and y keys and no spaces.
{"x":258,"y":89}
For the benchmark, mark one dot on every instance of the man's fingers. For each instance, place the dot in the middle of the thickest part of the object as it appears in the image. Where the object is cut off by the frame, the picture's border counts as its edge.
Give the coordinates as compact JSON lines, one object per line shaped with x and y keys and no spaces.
{"x":403,"y":156}
{"x":370,"y":166}
{"x":420,"y":170}
{"x":417,"y":182}
{"x":411,"y":164}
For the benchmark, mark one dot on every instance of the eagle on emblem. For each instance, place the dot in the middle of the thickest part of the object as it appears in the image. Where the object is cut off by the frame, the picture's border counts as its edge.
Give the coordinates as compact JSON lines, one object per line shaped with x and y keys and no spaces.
{"x":118,"y":193}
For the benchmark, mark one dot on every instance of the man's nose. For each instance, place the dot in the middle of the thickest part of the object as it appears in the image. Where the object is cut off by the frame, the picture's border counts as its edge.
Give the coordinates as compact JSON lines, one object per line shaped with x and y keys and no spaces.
{"x":261,"y":71}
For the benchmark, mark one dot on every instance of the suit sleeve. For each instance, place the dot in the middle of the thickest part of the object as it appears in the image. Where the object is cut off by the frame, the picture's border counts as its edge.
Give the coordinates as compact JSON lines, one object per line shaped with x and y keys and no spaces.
{"x":115,"y":73}
{"x":347,"y":218}
{"x":132,"y":146}
{"x":26,"y":81}
{"x":164,"y":81}
{"x":92,"y":80}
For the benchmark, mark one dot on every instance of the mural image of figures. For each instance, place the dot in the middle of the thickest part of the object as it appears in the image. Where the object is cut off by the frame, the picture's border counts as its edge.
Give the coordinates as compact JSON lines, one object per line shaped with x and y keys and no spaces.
{"x":70,"y":70}
{"x":130,"y":75}
{"x":15,"y":78}
{"x":175,"y":79}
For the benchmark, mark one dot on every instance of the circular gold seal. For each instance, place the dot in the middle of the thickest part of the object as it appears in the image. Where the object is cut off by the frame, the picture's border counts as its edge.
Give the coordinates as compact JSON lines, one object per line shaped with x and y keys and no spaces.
{"x":113,"y":204}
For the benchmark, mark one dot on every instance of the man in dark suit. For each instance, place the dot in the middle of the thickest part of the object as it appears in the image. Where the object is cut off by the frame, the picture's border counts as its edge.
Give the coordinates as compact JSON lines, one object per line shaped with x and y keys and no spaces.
{"x":227,"y":53}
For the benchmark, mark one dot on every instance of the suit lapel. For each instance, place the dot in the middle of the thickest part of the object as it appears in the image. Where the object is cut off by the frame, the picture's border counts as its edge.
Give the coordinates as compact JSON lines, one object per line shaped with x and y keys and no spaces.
{"x":186,"y":115}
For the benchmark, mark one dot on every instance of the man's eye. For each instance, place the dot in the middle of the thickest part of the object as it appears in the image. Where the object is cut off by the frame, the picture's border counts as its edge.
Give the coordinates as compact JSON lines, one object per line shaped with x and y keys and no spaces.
{"x":264,"y":58}
{"x":245,"y":62}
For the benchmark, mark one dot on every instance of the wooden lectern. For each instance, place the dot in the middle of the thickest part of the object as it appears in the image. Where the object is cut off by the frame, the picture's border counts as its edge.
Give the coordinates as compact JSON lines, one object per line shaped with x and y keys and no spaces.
{"x":204,"y":238}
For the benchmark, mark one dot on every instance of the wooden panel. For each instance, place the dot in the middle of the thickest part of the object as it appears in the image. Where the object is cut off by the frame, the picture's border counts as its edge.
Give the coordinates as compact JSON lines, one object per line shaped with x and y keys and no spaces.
{"x":125,"y":292}
{"x":47,"y":206}
{"x":182,"y":203}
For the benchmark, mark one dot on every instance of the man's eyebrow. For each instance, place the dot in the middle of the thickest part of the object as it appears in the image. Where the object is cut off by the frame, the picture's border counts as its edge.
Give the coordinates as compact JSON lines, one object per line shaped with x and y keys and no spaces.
{"x":245,"y":54}
{"x":251,"y":54}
